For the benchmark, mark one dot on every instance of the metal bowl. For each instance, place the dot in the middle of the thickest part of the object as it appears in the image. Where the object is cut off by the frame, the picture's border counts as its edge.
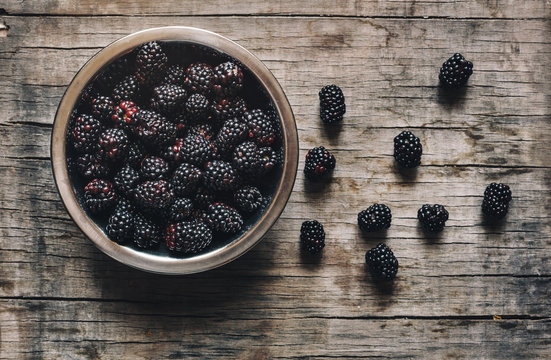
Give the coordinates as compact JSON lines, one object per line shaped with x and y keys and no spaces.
{"x":154,"y":262}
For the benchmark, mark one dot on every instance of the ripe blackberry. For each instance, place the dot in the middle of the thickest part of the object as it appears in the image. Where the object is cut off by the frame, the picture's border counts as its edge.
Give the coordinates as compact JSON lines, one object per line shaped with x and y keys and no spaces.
{"x":128,"y":89}
{"x":173,"y":153}
{"x":455,"y":72}
{"x":312,"y":236}
{"x":154,"y":168}
{"x":224,"y":218}
{"x":332,"y":106}
{"x":88,"y":93}
{"x":204,"y":130}
{"x":203,"y":198}
{"x":182,"y":124}
{"x":496,"y":200}
{"x":220,"y":176}
{"x":319,"y":162}
{"x":198,"y":78}
{"x":121,"y":225}
{"x":126,"y":180}
{"x":227,"y":79}
{"x":188,"y":237}
{"x":85,"y":133}
{"x":102,"y":108}
{"x":153,"y":129}
{"x":113,"y":145}
{"x":168,"y":99}
{"x":432,"y":218}
{"x":122,"y":116}
{"x":185,"y":179}
{"x":249,"y":199}
{"x":151,"y":63}
{"x":147,"y":234}
{"x":135,"y":154}
{"x":233,"y":132}
{"x":374,"y":218}
{"x":90,"y":166}
{"x":197,"y":107}
{"x":261,"y":128}
{"x":382,"y":263}
{"x":198,"y":150}
{"x":252,"y":161}
{"x":407,"y":149}
{"x":116,"y":71}
{"x":99,"y":196}
{"x":180,"y":210}
{"x":154,"y":196}
{"x":227,"y":108}
{"x":175,"y":75}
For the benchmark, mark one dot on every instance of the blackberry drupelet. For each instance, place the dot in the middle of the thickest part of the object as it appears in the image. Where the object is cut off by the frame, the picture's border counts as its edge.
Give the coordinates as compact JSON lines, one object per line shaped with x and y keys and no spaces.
{"x":180,"y":210}
{"x":168,"y":99}
{"x":197,"y":108}
{"x":121,"y":225}
{"x":332,"y":106}
{"x":407,"y":150}
{"x":220,"y":176}
{"x":154,"y":168}
{"x":113,"y":145}
{"x":374,"y":218}
{"x":197,"y":150}
{"x":126,"y":180}
{"x":175,"y":75}
{"x":455,"y":72}
{"x":432,"y":218}
{"x":153,"y":129}
{"x":496,"y":200}
{"x":102,"y":108}
{"x":90,"y":166}
{"x":147,"y":234}
{"x":227,"y":79}
{"x":198,"y":78}
{"x":99,"y":196}
{"x":233,"y":132}
{"x":261,"y":128}
{"x":319,"y":163}
{"x":154,"y":196}
{"x":312,"y":236}
{"x":85,"y":133}
{"x":188,"y":237}
{"x":128,"y":89}
{"x":224,"y":218}
{"x":252,"y":161}
{"x":203,"y":198}
{"x":173,"y":153}
{"x":186,"y":179}
{"x":151,"y":63}
{"x":135,"y":155}
{"x":227,"y":108}
{"x":382,"y":263}
{"x":249,"y":199}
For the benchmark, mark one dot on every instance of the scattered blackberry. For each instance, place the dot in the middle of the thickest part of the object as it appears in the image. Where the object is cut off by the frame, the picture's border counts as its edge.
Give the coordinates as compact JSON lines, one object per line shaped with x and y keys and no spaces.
{"x":175,"y":75}
{"x":374,"y":218}
{"x":252,"y":161}
{"x":128,"y":89}
{"x":203,"y":198}
{"x":102,"y":108}
{"x":261,"y":128}
{"x":121,"y":225}
{"x":135,"y":155}
{"x":122,"y":116}
{"x":89,"y":167}
{"x":198,"y":78}
{"x":154,"y":196}
{"x":188,"y":237}
{"x":197,"y":150}
{"x":147,"y":234}
{"x":382,"y":263}
{"x":407,"y":149}
{"x":249,"y":199}
{"x":113,"y":145}
{"x":227,"y":108}
{"x":151,"y":63}
{"x":85,"y":133}
{"x":220,"y":176}
{"x":185,"y":179}
{"x":224,"y":218}
{"x":168,"y":99}
{"x":496,"y":200}
{"x":312,"y":236}
{"x":180,"y":210}
{"x":99,"y":196}
{"x":233,"y":132}
{"x":197,"y":107}
{"x":154,"y":168}
{"x":432,"y":218}
{"x":332,"y":106}
{"x":227,"y":79}
{"x":153,"y":129}
{"x":455,"y":72}
{"x":126,"y":180}
{"x":319,"y":162}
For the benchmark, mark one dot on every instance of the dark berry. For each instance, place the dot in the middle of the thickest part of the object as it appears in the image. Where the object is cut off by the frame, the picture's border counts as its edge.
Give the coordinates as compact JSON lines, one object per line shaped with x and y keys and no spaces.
{"x":122,"y":116}
{"x":168,"y":99}
{"x":175,"y":75}
{"x":116,"y":71}
{"x":204,"y":130}
{"x":261,"y":128}
{"x":128,"y":89}
{"x":252,"y":161}
{"x":173,"y":153}
{"x":227,"y":108}
{"x":90,"y":167}
{"x":227,"y":79}
{"x":197,"y":107}
{"x":135,"y":154}
{"x":113,"y":145}
{"x":151,"y":63}
{"x":232,"y":133}
{"x":198,"y":78}
{"x":154,"y":196}
{"x":153,"y":129}
{"x":319,"y":163}
{"x":180,"y":210}
{"x":85,"y":133}
{"x":102,"y":108}
{"x":100,"y":196}
{"x":203,"y":198}
{"x":332,"y":106}
{"x":197,"y":150}
{"x":154,"y":168}
{"x":147,"y":234}
{"x":188,"y":237}
{"x":432,"y":218}
{"x":121,"y":225}
{"x":382,"y":263}
{"x":455,"y":72}
{"x":496,"y":200}
{"x":312,"y":236}
{"x":407,"y":149}
{"x":374,"y":218}
{"x":186,"y":178}
{"x":220,"y":176}
{"x":224,"y":218}
{"x":249,"y":199}
{"x":126,"y":180}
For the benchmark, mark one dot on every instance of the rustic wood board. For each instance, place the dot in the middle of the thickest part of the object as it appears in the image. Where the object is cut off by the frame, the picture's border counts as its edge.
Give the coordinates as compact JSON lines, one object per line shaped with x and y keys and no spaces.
{"x":60,"y":296}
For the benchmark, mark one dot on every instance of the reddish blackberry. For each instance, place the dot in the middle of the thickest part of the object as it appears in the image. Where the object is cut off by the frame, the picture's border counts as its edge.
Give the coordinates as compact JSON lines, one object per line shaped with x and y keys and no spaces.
{"x":197,"y":107}
{"x":154,"y":168}
{"x":113,"y":145}
{"x":227,"y":79}
{"x":185,"y":179}
{"x":233,"y":132}
{"x":197,"y":150}
{"x":319,"y":162}
{"x":188,"y":237}
{"x":128,"y":89}
{"x":85,"y":133}
{"x":249,"y":199}
{"x":382,"y":263}
{"x":374,"y":218}
{"x":153,"y":129}
{"x":261,"y":128}
{"x":102,"y":108}
{"x":227,"y":108}
{"x":154,"y":196}
{"x":332,"y":106}
{"x":455,"y":72}
{"x":135,"y":154}
{"x":126,"y":180}
{"x":121,"y":225}
{"x":175,"y":75}
{"x":122,"y":116}
{"x":180,"y":210}
{"x":168,"y":99}
{"x":250,"y":160}
{"x":220,"y":176}
{"x":99,"y":196}
{"x":147,"y":234}
{"x":198,"y":78}
{"x":432,"y":218}
{"x":224,"y":218}
{"x":312,"y":236}
{"x":90,"y":167}
{"x":407,"y":149}
{"x":496,"y":200}
{"x":203,"y":198}
{"x":151,"y":63}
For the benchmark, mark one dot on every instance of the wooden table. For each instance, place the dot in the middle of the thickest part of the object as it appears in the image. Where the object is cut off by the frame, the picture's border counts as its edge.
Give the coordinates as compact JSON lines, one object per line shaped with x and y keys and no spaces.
{"x":476,"y":291}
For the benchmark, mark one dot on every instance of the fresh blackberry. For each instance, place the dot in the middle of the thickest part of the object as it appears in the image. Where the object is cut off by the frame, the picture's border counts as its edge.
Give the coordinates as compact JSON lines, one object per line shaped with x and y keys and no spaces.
{"x":198,"y":78}
{"x":382,"y":263}
{"x":90,"y":166}
{"x":432,"y":218}
{"x":233,"y":132}
{"x":151,"y":63}
{"x":319,"y":162}
{"x":197,"y":107}
{"x":249,"y":199}
{"x":496,"y":200}
{"x":407,"y":149}
{"x":220,"y":176}
{"x":135,"y":154}
{"x":227,"y":108}
{"x":455,"y":72}
{"x":204,"y":130}
{"x":173,"y":153}
{"x":154,"y":196}
{"x":252,"y":161}
{"x":185,"y":179}
{"x":121,"y":225}
{"x":99,"y":196}
{"x":147,"y":234}
{"x":332,"y":106}
{"x":312,"y":236}
{"x":188,"y":237}
{"x":85,"y":133}
{"x":88,"y":93}
{"x":180,"y":210}
{"x":175,"y":75}
{"x":224,"y":218}
{"x":113,"y":145}
{"x":126,"y":180}
{"x":153,"y":129}
{"x":374,"y":218}
{"x":168,"y":99}
{"x":203,"y":198}
{"x":261,"y":128}
{"x":182,"y":124}
{"x":227,"y":79}
{"x":154,"y":168}
{"x":122,"y":116}
{"x":116,"y":71}
{"x":197,"y":150}
{"x":102,"y":108}
{"x":128,"y":89}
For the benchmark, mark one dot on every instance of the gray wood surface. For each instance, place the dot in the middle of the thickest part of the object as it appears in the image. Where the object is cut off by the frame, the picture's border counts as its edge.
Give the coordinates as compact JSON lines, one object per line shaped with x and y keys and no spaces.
{"x":476,"y":291}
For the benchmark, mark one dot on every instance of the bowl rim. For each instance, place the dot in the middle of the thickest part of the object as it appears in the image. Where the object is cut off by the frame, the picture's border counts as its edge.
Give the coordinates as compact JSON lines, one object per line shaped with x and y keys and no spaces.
{"x":150,"y":262}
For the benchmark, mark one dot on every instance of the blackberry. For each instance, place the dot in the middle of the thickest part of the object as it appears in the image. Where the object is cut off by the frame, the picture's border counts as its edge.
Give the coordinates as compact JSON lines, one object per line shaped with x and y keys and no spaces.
{"x":188,"y":237}
{"x":407,"y":149}
{"x":220,"y":176}
{"x":249,"y":199}
{"x":122,"y":116}
{"x":128,"y":89}
{"x":154,"y":196}
{"x":113,"y":145}
{"x":382,"y":263}
{"x":154,"y":168}
{"x":261,"y":128}
{"x":224,"y":218}
{"x":88,"y":93}
{"x":432,"y":218}
{"x":252,"y":161}
{"x":227,"y":79}
{"x":120,"y":227}
{"x":153,"y":129}
{"x":185,"y":179}
{"x":496,"y":200}
{"x":374,"y":218}
{"x":332,"y":106}
{"x":181,"y":122}
{"x":135,"y":155}
{"x":312,"y":236}
{"x":455,"y":72}
{"x":233,"y":132}
{"x":90,"y":166}
{"x":203,"y":198}
{"x":102,"y":108}
{"x":147,"y":234}
{"x":99,"y":196}
{"x":319,"y":162}
{"x":85,"y":133}
{"x":115,"y":72}
{"x":198,"y":78}
{"x":204,"y":130}
{"x":168,"y":99}
{"x":197,"y":150}
{"x":197,"y":107}
{"x":126,"y":180}
{"x":180,"y":210}
{"x":151,"y":63}
{"x":227,"y":108}
{"x":173,"y":153}
{"x":175,"y":75}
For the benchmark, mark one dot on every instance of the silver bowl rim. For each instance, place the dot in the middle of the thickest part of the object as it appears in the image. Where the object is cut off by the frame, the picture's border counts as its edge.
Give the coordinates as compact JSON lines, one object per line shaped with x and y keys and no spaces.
{"x":150,"y":262}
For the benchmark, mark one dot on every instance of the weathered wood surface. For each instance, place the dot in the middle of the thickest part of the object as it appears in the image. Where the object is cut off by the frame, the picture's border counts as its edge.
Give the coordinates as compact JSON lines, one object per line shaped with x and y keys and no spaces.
{"x":61,"y":296}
